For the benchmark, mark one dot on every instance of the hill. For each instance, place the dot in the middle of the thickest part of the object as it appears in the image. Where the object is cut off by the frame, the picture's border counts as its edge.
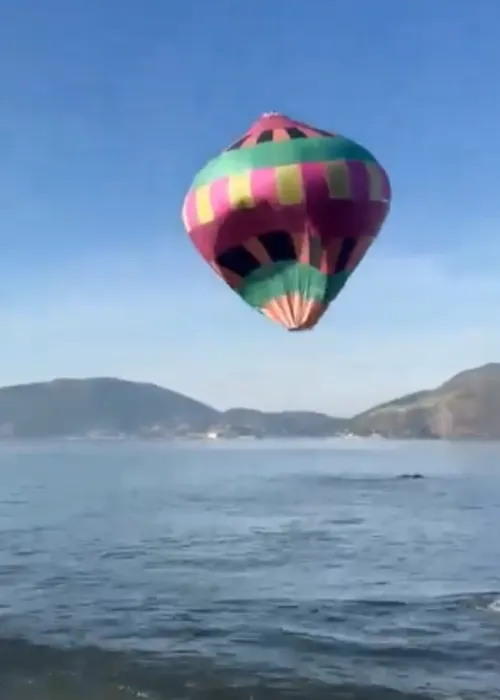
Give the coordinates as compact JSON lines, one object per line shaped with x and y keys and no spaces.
{"x":71,"y":407}
{"x":466,"y":406}
{"x":280,"y":424}
{"x":107,"y":407}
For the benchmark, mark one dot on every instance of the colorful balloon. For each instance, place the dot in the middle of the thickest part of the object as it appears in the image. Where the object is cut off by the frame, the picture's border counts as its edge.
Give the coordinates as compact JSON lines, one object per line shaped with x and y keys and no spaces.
{"x":285,"y":214}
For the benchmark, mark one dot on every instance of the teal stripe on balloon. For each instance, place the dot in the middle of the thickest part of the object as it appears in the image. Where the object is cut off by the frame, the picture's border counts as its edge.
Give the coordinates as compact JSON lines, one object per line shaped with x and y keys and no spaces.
{"x":275,"y":154}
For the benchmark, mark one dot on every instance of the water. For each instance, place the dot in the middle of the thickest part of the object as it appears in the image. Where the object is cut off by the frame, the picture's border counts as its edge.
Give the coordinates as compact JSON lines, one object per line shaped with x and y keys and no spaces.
{"x":256,"y":571}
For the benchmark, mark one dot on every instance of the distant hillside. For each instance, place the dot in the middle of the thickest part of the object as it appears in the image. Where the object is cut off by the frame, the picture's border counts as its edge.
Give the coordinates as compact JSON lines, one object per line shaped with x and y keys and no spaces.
{"x":466,"y":406}
{"x":75,"y":407}
{"x":106,"y":407}
{"x":282,"y":424}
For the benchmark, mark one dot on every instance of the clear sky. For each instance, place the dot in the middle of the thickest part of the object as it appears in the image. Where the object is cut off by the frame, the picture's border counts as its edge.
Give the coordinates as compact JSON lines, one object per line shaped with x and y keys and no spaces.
{"x":107,"y":110}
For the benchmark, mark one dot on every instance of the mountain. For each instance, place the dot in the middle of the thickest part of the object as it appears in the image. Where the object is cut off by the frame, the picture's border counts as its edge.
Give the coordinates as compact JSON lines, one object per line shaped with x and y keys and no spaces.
{"x":466,"y":406}
{"x":107,"y":407}
{"x":70,"y":407}
{"x":281,"y":424}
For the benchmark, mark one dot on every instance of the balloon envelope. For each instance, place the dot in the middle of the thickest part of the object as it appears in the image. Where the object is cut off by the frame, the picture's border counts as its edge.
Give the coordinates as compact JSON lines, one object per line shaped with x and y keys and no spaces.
{"x":285,"y":214}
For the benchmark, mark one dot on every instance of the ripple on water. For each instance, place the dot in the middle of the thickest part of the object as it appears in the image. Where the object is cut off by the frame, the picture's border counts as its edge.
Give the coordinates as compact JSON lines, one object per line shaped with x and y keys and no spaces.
{"x":259,"y":574}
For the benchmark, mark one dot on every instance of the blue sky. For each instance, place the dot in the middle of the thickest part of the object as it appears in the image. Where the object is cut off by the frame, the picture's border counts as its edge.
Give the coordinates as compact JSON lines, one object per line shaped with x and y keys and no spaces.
{"x":108,"y":109}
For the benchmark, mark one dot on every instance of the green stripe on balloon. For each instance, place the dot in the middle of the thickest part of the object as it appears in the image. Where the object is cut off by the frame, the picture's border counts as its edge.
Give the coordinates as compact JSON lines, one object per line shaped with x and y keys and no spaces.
{"x":275,"y":154}
{"x":283,"y":278}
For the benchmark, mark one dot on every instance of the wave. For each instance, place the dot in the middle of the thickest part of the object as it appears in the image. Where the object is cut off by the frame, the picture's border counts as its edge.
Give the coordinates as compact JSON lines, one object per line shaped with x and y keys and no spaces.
{"x":335,"y":662}
{"x":37,"y":671}
{"x":359,"y":479}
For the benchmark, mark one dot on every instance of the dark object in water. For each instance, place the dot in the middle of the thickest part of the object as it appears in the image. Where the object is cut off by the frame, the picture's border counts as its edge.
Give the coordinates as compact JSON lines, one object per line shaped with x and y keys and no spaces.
{"x":411,"y":476}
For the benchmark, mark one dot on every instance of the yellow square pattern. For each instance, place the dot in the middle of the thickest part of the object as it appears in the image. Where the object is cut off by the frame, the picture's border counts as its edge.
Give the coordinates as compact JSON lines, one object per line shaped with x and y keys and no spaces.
{"x":337,"y":179}
{"x":289,"y":184}
{"x":240,"y":191}
{"x":375,"y":179}
{"x":204,"y":207}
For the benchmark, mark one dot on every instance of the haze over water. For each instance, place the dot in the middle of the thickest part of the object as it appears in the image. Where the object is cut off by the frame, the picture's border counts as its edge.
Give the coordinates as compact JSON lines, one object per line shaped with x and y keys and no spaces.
{"x":261,"y":570}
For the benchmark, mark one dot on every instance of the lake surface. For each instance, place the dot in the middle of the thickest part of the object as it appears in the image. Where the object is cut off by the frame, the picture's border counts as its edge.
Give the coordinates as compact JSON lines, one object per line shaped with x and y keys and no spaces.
{"x":249,"y":571}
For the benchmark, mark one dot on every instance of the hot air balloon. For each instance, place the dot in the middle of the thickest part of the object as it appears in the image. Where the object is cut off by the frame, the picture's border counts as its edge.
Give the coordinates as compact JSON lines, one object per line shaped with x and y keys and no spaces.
{"x":285,"y":214}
